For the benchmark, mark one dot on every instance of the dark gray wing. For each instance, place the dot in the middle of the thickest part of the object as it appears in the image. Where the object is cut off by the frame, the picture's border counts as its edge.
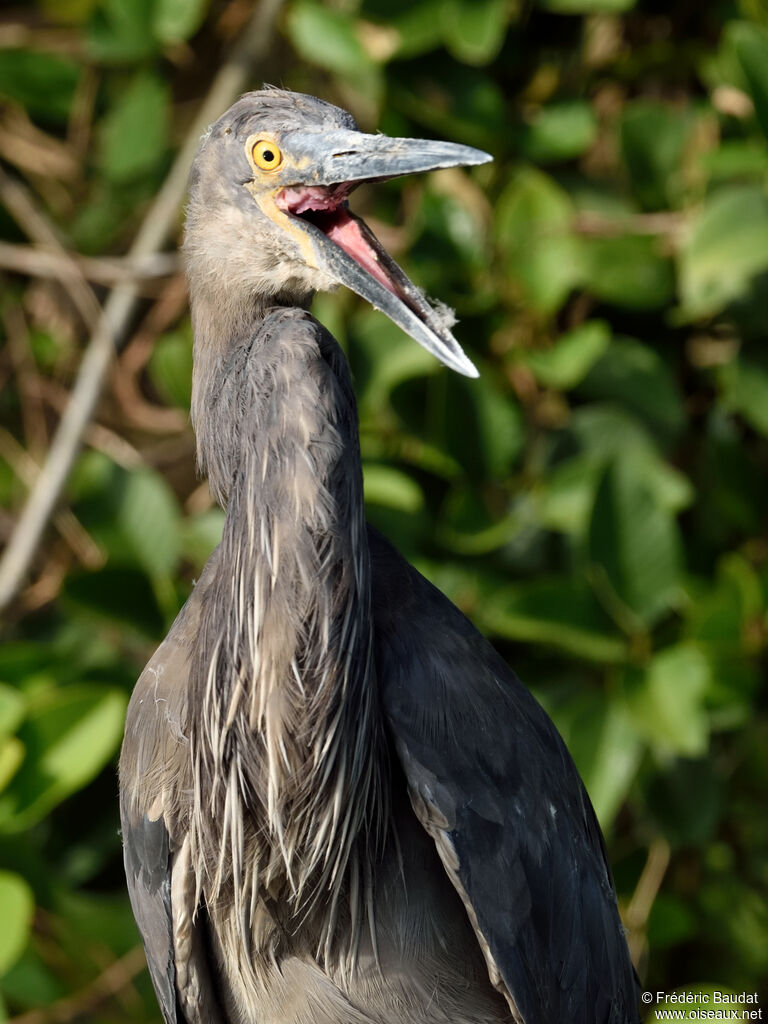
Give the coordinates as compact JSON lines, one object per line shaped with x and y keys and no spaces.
{"x":155,"y":783}
{"x":146,"y":855}
{"x":492,"y":782}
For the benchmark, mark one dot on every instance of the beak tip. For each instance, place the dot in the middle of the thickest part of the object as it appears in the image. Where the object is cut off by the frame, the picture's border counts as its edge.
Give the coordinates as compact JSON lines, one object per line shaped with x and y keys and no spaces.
{"x":461,"y":364}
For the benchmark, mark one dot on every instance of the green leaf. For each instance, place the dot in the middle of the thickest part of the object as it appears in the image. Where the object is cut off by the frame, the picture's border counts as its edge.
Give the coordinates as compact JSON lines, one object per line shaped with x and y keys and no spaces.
{"x":635,"y":375}
{"x":30,"y":982}
{"x":587,"y":6}
{"x":44,"y":84}
{"x":117,"y":594}
{"x":744,"y":390}
{"x":16,"y":907}
{"x":418,"y":28}
{"x":11,"y":755}
{"x":133,"y":514}
{"x":563,"y":498}
{"x":121,"y":31}
{"x":653,"y":138}
{"x":605,"y":746}
{"x":750,"y":43}
{"x":605,"y":433}
{"x":69,"y":736}
{"x":469,"y":526}
{"x":560,"y":131}
{"x":685,"y":797}
{"x":560,"y":613}
{"x":474,"y":30}
{"x":736,"y":159}
{"x":634,"y":546}
{"x":170,"y":367}
{"x":482,"y":426}
{"x":200,"y":534}
{"x":93,"y":473}
{"x":456,"y":225}
{"x":628,"y":271}
{"x":533,"y":225}
{"x":327,"y":38}
{"x":68,"y":11}
{"x":463,"y":103}
{"x":390,"y":487}
{"x":726,"y":246}
{"x":671,"y":922}
{"x":567,"y":362}
{"x":383,"y":357}
{"x":12,"y":709}
{"x":717,"y":614}
{"x":148,"y":518}
{"x":666,"y":701}
{"x":177,"y":20}
{"x":134,"y":134}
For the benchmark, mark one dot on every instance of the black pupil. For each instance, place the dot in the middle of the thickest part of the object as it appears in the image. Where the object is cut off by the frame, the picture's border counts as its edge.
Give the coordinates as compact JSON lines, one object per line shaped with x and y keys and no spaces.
{"x":268,"y":156}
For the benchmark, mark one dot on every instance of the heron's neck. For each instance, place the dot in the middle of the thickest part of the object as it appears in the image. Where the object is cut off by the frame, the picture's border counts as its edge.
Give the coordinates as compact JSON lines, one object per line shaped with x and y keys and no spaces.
{"x":286,"y":660}
{"x":226,"y":321}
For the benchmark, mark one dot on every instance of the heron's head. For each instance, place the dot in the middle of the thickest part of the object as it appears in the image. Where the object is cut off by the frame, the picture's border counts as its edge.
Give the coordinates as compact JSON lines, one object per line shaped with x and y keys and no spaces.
{"x":268,"y":214}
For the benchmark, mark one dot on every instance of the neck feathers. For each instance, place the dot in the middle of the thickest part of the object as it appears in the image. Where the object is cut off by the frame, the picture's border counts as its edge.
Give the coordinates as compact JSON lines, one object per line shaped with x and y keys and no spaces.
{"x":289,"y":745}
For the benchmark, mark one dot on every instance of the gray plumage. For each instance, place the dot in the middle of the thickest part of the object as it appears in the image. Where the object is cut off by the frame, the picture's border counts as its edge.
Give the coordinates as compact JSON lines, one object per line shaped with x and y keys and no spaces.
{"x":339,"y":805}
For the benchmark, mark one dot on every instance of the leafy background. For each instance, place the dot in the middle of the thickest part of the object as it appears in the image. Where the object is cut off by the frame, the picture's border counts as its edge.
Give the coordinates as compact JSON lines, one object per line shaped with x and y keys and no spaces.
{"x":596,"y":502}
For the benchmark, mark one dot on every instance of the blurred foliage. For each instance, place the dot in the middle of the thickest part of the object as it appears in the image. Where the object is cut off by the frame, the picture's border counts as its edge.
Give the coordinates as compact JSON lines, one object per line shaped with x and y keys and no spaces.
{"x":596,"y":501}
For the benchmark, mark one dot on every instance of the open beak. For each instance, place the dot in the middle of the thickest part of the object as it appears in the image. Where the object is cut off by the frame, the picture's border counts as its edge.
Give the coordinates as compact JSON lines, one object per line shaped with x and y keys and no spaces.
{"x":343,"y":245}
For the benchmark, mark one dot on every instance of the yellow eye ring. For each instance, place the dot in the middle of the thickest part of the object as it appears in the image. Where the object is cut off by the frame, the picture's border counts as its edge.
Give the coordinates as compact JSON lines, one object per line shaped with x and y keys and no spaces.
{"x":266,"y":155}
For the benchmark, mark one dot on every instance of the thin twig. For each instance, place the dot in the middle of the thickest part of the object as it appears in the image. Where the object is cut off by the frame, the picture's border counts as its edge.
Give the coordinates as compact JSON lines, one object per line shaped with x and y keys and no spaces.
{"x":17,"y":35}
{"x":108,"y":984}
{"x":647,"y":889}
{"x":669,"y":225}
{"x":95,"y":435}
{"x":252,"y":47}
{"x":83,"y":546}
{"x":17,"y":201}
{"x":30,"y":149}
{"x":125,"y":385}
{"x":110,"y":270}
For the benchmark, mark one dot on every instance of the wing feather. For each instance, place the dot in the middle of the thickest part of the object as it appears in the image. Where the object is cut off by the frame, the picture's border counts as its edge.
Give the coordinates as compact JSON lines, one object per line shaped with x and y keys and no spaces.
{"x":147,"y":870}
{"x":154,"y":791}
{"x":492,"y":782}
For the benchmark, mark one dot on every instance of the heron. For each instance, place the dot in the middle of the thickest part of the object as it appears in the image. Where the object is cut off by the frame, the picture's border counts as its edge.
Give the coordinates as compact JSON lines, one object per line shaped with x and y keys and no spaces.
{"x":338,"y":803}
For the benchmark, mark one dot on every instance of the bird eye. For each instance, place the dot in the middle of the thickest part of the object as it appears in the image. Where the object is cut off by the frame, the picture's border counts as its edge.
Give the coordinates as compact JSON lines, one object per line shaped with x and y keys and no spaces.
{"x":266,"y":155}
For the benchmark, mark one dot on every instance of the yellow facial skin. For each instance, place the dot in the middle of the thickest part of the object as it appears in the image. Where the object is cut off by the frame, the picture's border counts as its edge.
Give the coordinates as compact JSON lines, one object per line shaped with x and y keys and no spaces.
{"x":273,"y":170}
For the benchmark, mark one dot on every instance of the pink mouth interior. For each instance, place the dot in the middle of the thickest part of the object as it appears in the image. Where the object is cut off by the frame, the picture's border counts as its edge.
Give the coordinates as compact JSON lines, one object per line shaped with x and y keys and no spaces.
{"x":323,"y":207}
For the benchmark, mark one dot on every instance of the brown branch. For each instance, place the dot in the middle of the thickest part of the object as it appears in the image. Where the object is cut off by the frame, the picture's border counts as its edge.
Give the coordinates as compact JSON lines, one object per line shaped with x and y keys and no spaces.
{"x":251,"y":49}
{"x":110,"y":270}
{"x":30,"y":149}
{"x":17,"y":201}
{"x":95,"y":435}
{"x":117,"y":977}
{"x":125,"y":384}
{"x":83,"y":546}
{"x":15,"y":35}
{"x":668,"y":224}
{"x":647,"y":889}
